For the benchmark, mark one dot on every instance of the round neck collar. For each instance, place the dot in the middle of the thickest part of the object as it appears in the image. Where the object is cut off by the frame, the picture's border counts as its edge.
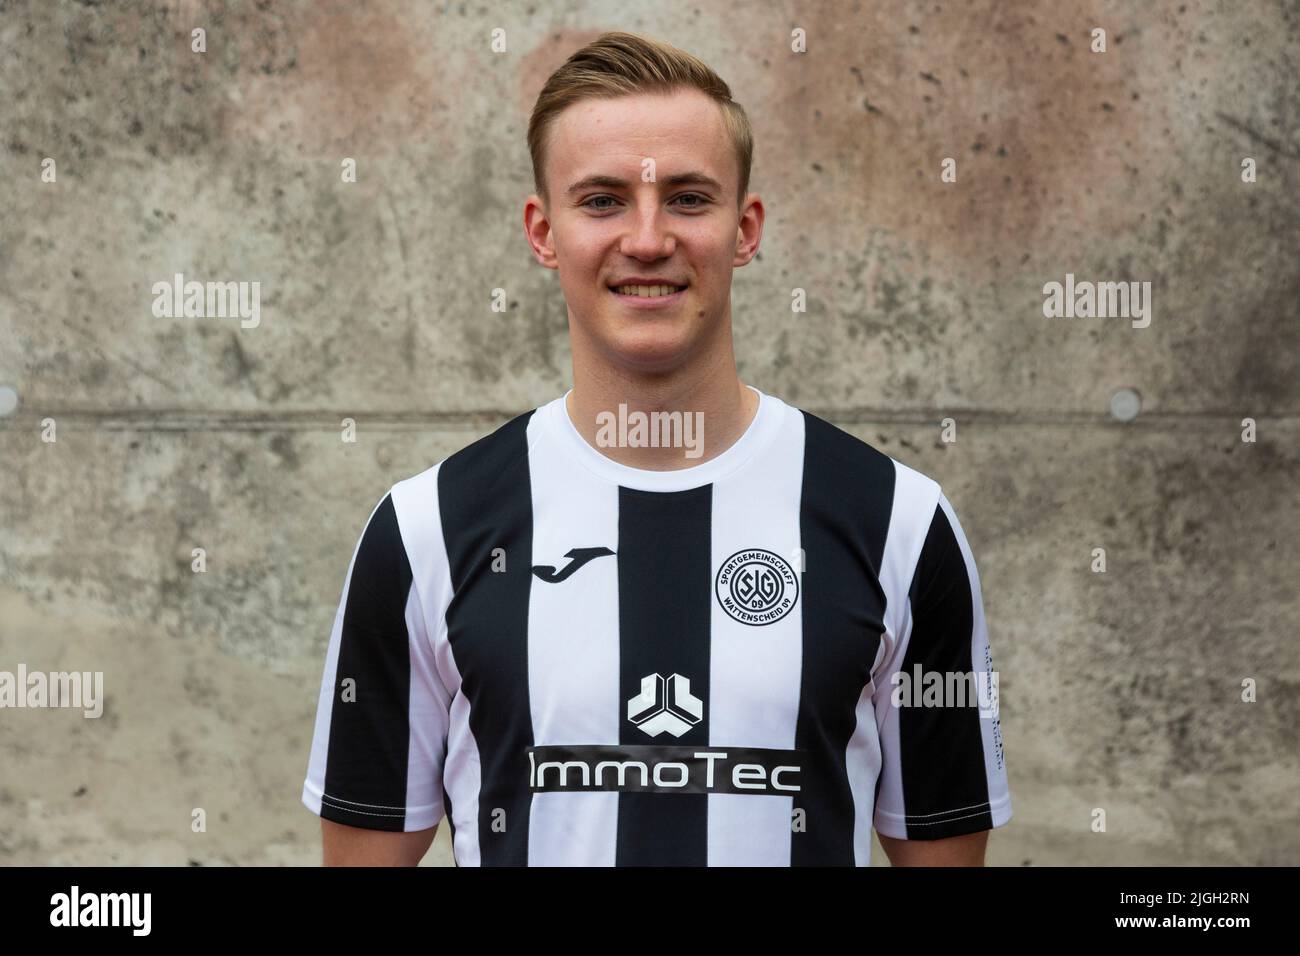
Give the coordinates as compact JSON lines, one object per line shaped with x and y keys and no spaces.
{"x":759,"y":430}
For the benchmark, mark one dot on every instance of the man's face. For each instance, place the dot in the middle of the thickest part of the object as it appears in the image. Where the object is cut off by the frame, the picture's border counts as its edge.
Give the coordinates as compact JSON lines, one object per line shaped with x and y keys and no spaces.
{"x":605,"y":224}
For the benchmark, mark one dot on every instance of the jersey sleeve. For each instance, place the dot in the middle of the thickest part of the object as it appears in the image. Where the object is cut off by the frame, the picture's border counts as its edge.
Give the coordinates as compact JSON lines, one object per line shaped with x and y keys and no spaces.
{"x":942,"y":769}
{"x":382,"y":717}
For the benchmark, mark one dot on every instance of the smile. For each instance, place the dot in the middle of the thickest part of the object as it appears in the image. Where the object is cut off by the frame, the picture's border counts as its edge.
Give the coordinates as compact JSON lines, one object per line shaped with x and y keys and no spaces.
{"x":649,"y":296}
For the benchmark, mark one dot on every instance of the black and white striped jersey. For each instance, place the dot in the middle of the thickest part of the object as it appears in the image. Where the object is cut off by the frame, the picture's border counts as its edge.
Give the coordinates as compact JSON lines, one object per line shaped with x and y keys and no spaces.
{"x":577,"y":662}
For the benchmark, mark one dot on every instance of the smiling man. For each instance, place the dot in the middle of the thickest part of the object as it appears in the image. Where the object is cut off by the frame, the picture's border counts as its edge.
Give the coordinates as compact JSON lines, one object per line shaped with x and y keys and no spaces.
{"x":597,"y":651}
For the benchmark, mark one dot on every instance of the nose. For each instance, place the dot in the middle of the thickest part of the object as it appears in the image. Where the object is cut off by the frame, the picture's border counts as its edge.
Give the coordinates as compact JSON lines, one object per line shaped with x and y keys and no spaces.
{"x":647,"y":236}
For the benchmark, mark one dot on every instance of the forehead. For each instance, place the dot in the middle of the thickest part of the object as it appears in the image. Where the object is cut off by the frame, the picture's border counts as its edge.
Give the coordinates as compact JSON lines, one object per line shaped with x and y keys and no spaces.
{"x":613,"y":136}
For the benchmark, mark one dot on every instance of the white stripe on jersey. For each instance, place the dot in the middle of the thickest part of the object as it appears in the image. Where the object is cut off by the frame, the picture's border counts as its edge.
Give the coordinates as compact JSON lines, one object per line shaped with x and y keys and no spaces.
{"x":421,"y":531}
{"x":447,"y":756}
{"x":982,"y":661}
{"x":915,"y":496}
{"x":572,"y":508}
{"x":755,"y":671}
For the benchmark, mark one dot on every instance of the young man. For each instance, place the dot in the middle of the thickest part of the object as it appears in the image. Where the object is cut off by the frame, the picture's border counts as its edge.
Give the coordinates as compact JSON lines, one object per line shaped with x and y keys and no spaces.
{"x":586,"y":644}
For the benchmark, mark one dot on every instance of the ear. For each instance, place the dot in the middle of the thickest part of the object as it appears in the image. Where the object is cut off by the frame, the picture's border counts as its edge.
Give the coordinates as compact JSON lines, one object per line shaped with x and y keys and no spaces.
{"x":537,"y":230}
{"x":749,"y":230}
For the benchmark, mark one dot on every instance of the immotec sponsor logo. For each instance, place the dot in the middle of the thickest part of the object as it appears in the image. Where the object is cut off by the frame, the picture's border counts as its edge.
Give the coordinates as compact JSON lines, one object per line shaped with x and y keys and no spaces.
{"x":923,"y":688}
{"x":212,"y":300}
{"x":1102,"y":300}
{"x":55,"y":689}
{"x":650,"y":769}
{"x":651,"y":430}
{"x":102,"y":909}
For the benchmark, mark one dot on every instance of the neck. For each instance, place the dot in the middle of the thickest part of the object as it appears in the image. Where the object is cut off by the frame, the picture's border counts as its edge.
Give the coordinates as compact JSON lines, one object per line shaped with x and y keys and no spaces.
{"x":708,"y":408}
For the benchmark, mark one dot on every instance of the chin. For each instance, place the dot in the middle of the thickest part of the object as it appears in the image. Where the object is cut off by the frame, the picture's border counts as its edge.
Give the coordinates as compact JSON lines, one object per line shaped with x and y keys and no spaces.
{"x":651,"y":348}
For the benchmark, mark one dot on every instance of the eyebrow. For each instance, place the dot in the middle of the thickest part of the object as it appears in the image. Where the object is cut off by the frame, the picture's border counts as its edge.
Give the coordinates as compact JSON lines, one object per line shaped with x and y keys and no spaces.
{"x":692,"y":178}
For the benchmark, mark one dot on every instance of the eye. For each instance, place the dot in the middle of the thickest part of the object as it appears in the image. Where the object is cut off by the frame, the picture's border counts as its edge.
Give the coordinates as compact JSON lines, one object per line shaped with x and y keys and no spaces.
{"x":703,"y":200}
{"x":699,"y":202}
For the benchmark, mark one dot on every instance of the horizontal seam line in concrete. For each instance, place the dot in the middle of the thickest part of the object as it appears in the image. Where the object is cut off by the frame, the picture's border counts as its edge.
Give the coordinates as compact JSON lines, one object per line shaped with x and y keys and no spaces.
{"x":183,"y":419}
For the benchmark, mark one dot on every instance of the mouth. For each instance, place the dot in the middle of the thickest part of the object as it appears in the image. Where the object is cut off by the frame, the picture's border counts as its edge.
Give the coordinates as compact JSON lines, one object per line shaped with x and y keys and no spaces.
{"x":648,"y":296}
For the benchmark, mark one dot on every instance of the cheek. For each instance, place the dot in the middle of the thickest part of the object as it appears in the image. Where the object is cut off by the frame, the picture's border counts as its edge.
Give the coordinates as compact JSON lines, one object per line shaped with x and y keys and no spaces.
{"x":711,"y":252}
{"x":579,"y":246}
{"x":579,"y":270}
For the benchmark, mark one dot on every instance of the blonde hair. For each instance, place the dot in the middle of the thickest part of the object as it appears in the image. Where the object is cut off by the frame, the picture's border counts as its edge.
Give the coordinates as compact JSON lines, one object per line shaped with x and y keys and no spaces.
{"x":622,"y":64}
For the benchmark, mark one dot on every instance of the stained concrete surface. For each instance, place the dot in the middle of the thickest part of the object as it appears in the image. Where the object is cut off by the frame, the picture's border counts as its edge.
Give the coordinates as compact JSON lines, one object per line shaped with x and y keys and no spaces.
{"x":1119,"y":690}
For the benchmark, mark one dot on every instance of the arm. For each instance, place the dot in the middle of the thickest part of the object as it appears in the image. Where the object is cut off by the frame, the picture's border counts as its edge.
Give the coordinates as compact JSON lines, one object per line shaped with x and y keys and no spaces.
{"x":355,"y":846}
{"x":375,"y":771}
{"x":967,"y":850}
{"x":942,"y":784}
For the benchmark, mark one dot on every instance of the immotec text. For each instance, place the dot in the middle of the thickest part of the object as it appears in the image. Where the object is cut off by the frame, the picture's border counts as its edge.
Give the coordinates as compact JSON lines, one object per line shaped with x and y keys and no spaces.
{"x":650,"y":769}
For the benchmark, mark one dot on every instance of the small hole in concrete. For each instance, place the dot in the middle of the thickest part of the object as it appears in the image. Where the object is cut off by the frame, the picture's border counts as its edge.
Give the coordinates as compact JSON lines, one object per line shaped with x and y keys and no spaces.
{"x":1125,"y":404}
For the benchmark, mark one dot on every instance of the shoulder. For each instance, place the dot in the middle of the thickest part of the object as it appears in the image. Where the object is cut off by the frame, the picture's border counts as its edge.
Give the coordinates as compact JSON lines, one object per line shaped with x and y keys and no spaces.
{"x":894,"y":511}
{"x":465,"y":480}
{"x":500,"y":450}
{"x":860,"y":464}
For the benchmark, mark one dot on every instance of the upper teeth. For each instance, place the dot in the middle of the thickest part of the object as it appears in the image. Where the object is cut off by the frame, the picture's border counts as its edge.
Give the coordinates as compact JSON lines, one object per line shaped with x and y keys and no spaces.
{"x":646,"y":290}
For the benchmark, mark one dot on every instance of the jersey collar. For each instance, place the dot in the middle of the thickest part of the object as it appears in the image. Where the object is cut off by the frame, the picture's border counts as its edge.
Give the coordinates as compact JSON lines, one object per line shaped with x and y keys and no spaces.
{"x":760,"y":430}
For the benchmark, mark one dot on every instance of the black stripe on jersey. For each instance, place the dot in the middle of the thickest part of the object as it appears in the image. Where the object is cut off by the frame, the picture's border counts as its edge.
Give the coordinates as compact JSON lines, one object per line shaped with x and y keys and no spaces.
{"x":848,"y":494}
{"x":485,"y":499}
{"x":451,"y":821}
{"x":664,"y":590}
{"x":941,"y":750}
{"x":369,"y":736}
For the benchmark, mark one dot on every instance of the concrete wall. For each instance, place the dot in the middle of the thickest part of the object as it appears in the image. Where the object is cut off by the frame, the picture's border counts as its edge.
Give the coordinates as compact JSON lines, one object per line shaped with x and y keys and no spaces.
{"x":1120,"y":690}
